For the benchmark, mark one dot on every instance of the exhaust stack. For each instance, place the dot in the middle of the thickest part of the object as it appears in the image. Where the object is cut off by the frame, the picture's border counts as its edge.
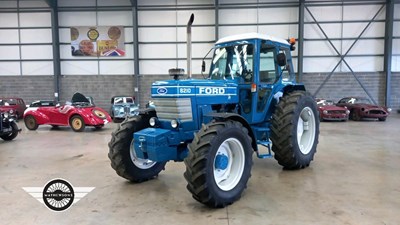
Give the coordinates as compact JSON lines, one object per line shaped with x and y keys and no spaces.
{"x":189,"y":45}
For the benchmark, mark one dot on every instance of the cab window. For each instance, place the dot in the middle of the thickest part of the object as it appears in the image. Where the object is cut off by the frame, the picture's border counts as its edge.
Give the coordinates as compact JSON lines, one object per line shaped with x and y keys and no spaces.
{"x":233,"y":62}
{"x":267,"y":64}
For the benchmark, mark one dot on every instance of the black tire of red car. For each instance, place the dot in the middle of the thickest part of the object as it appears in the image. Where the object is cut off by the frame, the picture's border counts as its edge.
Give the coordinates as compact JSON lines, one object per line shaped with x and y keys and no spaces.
{"x":30,"y":122}
{"x":77,"y":123}
{"x":201,"y":163}
{"x":285,"y":120}
{"x":354,"y":115}
{"x":120,"y":155}
{"x":98,"y":127}
{"x":13,"y":134}
{"x":382,"y":119}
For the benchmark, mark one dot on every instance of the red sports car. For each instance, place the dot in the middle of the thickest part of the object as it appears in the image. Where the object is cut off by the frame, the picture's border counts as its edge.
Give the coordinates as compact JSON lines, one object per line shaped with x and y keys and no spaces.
{"x":78,"y":114}
{"x":328,"y":111}
{"x":362,"y":108}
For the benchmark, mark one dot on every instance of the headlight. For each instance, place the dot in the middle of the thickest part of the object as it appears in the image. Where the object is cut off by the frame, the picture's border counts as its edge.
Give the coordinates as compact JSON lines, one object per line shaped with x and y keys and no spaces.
{"x":347,"y":112}
{"x":325,"y":112}
{"x":389,"y":109}
{"x":11,"y":111}
{"x":6,"y":115}
{"x":99,"y":114}
{"x":153,"y":121}
{"x":174,"y":123}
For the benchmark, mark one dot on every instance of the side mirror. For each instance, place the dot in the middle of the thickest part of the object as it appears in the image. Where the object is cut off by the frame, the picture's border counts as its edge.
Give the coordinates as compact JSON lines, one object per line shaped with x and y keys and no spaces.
{"x":203,"y":66}
{"x":281,"y":58}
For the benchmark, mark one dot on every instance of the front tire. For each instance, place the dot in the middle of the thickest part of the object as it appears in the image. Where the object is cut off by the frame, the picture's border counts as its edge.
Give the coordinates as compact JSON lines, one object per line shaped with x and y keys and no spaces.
{"x":219,"y":163}
{"x":13,"y":134}
{"x":122,"y":154}
{"x":295,"y":129}
{"x":30,"y":122}
{"x":77,"y":123}
{"x":355,"y":116}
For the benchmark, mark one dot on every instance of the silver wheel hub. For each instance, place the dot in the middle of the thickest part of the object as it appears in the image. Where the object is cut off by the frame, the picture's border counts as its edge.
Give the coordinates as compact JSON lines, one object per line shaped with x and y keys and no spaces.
{"x":306,"y":130}
{"x":139,"y":162}
{"x":228,"y":165}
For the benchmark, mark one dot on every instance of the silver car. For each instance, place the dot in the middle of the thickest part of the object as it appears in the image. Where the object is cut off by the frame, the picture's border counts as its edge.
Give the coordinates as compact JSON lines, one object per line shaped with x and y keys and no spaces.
{"x":122,"y":107}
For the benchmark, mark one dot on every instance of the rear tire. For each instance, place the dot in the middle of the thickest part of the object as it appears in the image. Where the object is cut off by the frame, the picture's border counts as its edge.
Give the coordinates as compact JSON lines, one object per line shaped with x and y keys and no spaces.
{"x":382,"y":119}
{"x":30,"y":122}
{"x":123,"y":157}
{"x":13,"y":134}
{"x":295,"y":129}
{"x":219,"y":163}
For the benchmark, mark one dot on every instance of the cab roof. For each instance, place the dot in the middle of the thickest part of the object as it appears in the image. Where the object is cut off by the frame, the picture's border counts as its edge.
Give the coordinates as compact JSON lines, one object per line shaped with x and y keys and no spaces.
{"x":246,"y":36}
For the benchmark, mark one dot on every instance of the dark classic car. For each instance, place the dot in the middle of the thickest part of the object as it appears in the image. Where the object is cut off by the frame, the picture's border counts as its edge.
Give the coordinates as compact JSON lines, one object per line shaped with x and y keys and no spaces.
{"x":363,"y":108}
{"x":121,"y":107}
{"x":8,"y":127}
{"x":329,"y":111}
{"x":14,"y":106}
{"x":78,"y":113}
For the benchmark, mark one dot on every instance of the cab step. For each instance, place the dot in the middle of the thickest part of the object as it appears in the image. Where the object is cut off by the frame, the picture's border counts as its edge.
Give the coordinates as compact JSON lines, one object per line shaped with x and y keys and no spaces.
{"x":265,"y":155}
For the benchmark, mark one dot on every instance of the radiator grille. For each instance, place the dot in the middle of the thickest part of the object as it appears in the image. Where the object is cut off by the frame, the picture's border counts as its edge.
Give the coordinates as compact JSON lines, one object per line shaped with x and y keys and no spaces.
{"x":173,"y":108}
{"x":337,"y":111}
{"x":376,"y":112}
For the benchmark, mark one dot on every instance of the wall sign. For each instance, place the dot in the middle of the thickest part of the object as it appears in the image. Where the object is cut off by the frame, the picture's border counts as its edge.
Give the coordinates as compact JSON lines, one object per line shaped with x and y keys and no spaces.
{"x":97,"y":41}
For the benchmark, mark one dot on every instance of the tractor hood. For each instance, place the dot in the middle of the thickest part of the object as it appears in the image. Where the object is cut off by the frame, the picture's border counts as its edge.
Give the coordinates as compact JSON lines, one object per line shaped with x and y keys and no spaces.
{"x":205,"y":91}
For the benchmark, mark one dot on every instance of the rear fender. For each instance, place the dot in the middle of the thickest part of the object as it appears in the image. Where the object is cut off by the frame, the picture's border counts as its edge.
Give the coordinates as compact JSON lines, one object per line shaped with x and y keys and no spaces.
{"x":290,"y":88}
{"x":40,"y":117}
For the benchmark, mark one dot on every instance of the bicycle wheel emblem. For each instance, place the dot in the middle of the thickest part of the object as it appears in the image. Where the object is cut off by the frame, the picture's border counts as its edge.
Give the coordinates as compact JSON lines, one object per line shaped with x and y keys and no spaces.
{"x":58,"y":195}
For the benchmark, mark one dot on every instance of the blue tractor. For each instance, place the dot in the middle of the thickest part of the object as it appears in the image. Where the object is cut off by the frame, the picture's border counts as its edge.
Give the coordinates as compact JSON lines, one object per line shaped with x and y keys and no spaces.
{"x":249,"y":99}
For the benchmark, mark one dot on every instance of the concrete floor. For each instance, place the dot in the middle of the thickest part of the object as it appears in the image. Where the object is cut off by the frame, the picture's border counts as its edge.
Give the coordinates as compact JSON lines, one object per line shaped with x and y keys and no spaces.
{"x":355,"y":179}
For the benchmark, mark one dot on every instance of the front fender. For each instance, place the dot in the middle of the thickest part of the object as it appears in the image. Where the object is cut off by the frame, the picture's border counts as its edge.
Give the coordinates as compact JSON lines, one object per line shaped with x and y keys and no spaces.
{"x":89,"y":117}
{"x":239,"y":118}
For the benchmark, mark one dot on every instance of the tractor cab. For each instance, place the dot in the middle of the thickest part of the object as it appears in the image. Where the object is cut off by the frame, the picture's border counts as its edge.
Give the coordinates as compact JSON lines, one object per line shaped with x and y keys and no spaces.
{"x":261,"y":66}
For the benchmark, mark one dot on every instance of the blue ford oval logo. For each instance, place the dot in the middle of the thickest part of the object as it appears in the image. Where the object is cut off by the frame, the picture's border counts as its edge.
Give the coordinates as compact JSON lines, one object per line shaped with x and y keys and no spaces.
{"x":161,"y":90}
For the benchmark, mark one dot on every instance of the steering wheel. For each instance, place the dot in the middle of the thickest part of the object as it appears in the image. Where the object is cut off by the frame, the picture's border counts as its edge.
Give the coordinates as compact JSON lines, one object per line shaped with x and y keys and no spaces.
{"x":247,"y":75}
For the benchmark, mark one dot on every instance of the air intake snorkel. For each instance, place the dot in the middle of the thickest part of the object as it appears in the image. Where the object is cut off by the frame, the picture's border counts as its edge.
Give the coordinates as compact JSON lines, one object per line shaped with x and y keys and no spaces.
{"x":189,"y":45}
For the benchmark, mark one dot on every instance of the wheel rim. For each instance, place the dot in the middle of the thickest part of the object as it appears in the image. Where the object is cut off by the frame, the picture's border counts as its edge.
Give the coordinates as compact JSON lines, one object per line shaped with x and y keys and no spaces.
{"x":306,"y":130}
{"x":228,"y":164}
{"x":76,"y":123}
{"x":30,"y":121}
{"x":139,"y":162}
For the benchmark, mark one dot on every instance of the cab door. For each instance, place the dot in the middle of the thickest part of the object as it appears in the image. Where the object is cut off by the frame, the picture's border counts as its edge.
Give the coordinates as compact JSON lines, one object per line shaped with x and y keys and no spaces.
{"x":268,"y":74}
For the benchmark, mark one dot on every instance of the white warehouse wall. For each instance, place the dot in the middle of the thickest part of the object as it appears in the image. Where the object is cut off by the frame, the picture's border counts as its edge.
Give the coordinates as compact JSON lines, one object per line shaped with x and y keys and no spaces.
{"x":26,"y":42}
{"x":396,"y":40}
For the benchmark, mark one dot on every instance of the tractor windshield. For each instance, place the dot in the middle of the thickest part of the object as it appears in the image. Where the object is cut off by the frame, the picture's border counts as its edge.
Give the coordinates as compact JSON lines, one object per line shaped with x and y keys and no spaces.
{"x":232,"y":62}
